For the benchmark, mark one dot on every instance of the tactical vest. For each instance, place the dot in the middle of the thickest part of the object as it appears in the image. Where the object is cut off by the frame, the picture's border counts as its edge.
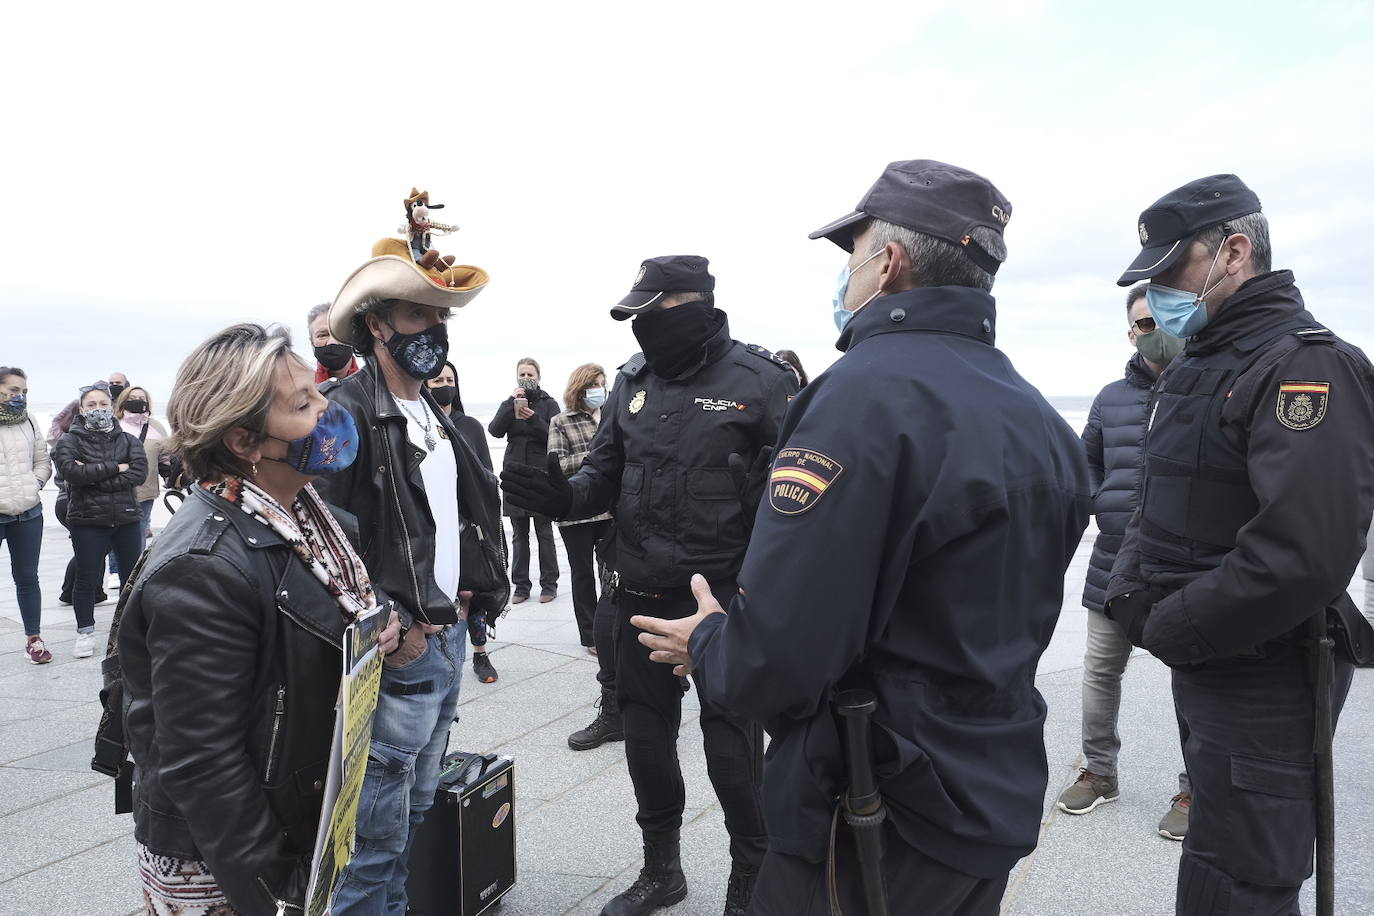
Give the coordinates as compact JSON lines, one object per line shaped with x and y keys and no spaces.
{"x":1197,"y":492}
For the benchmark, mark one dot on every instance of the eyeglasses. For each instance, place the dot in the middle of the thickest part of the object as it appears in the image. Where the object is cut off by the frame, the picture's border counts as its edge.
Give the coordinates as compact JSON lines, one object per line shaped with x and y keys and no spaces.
{"x":1143,"y":325}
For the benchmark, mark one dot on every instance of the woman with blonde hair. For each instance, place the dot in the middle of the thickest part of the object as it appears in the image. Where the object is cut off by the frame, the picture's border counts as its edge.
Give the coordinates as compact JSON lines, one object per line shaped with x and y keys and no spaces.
{"x":230,"y":634}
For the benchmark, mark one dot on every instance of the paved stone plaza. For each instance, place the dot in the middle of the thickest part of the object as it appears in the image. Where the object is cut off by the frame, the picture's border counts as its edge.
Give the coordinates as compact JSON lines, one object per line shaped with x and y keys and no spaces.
{"x":64,"y":851}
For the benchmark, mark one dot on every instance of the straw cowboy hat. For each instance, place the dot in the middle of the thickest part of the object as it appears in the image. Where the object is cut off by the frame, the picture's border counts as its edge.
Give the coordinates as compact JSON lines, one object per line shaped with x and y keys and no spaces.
{"x":392,"y":274}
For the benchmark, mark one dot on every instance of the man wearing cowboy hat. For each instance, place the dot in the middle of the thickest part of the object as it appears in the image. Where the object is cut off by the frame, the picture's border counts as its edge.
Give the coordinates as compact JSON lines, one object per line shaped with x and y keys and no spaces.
{"x":405,"y":490}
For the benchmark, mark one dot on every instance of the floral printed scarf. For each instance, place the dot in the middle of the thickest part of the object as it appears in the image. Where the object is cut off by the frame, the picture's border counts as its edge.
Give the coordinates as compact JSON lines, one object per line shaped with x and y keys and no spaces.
{"x":311,"y":531}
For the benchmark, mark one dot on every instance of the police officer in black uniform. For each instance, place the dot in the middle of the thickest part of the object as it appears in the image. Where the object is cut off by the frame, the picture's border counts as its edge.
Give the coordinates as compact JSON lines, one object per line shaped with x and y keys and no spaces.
{"x":682,"y":411}
{"x":1259,"y":474}
{"x":921,"y":510}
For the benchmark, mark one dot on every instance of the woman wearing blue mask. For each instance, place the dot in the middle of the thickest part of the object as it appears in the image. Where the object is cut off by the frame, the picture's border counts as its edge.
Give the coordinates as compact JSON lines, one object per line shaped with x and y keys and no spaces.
{"x":229,"y":636}
{"x":570,"y":437}
{"x":102,"y":466}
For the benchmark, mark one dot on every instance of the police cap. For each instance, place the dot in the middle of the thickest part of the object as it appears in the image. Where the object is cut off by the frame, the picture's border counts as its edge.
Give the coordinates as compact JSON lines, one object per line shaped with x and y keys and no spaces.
{"x":671,"y":273}
{"x":1170,"y":223}
{"x":933,"y":198}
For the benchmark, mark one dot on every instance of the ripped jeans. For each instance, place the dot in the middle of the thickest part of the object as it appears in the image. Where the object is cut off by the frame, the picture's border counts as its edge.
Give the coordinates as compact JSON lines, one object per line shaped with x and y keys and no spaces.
{"x":414,"y":713}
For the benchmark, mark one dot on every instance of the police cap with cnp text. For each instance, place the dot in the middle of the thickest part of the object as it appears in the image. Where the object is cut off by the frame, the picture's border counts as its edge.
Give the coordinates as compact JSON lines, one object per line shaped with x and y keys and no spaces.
{"x":933,"y":198}
{"x":1169,"y":224}
{"x":672,"y":273}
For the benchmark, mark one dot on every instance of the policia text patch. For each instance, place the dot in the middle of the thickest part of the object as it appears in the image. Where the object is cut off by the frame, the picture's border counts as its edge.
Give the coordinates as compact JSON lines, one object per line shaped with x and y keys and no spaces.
{"x":800,"y":478}
{"x":1302,"y":405}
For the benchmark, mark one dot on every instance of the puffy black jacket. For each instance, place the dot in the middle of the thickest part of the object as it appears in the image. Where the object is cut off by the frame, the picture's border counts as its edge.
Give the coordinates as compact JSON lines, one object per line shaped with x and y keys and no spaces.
{"x":527,"y":441}
{"x":230,"y":651}
{"x":99,"y":494}
{"x":398,"y":547}
{"x":660,"y":460}
{"x":1115,"y":439}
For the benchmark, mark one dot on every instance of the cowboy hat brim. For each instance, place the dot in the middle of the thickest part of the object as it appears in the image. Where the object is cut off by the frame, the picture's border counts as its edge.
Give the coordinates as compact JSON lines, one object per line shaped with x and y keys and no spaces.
{"x":392,"y":277}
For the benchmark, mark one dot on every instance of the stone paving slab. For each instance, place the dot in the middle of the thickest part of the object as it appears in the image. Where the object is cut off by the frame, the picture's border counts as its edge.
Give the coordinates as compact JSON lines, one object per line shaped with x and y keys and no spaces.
{"x":63,"y":851}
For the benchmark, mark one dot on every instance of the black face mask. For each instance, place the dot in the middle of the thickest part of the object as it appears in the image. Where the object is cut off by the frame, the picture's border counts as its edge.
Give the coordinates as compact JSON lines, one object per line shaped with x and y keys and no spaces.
{"x":443,"y":395}
{"x":333,"y":356}
{"x":672,"y":338}
{"x":115,"y":389}
{"x":420,"y":355}
{"x":136,"y":405}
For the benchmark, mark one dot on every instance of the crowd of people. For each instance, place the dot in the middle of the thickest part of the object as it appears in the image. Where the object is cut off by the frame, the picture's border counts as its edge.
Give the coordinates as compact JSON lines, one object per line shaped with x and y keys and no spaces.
{"x":692,"y":492}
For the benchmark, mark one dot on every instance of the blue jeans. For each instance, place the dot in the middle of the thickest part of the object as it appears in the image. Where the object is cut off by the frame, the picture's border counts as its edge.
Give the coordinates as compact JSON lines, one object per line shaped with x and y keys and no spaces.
{"x":146,"y":507}
{"x":24,"y":534}
{"x":414,"y":713}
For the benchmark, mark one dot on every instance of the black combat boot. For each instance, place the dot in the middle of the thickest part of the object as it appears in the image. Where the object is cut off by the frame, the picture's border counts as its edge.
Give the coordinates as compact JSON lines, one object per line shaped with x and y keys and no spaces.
{"x":605,"y":727}
{"x":740,"y":889}
{"x":660,"y":881}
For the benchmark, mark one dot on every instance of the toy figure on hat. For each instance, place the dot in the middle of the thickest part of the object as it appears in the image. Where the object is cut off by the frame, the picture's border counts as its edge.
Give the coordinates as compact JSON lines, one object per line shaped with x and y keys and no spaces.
{"x":415,"y":247}
{"x":418,"y":228}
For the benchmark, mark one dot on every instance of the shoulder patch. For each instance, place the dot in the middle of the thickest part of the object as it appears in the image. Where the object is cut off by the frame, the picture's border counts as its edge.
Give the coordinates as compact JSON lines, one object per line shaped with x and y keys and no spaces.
{"x":763,"y":353}
{"x":800,"y":478}
{"x":1302,"y":405}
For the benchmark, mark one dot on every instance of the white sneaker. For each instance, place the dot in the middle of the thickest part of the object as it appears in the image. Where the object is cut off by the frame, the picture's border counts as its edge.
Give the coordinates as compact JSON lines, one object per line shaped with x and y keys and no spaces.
{"x":84,"y":647}
{"x":112,"y":583}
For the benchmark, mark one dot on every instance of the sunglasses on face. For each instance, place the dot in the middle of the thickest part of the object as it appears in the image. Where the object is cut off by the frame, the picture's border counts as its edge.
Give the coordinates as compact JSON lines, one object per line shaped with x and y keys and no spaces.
{"x":1143,"y":325}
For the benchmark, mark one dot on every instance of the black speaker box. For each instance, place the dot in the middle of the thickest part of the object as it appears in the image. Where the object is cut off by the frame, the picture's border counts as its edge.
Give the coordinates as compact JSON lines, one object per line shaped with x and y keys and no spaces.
{"x":463,"y":859}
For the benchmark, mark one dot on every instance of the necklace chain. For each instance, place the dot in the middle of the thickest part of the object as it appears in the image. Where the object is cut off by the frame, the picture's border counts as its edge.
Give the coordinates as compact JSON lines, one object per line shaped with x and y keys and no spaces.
{"x":427,"y":425}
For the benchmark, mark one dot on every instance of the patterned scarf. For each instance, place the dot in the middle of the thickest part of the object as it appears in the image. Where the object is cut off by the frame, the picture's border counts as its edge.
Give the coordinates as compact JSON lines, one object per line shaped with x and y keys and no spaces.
{"x":9,"y":416}
{"x":313,"y":535}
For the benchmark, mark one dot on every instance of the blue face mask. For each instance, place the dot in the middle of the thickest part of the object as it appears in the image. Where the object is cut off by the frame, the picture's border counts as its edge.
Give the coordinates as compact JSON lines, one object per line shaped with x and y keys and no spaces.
{"x":1181,"y":313}
{"x":842,"y":314}
{"x":331,"y":446}
{"x":595,"y":397}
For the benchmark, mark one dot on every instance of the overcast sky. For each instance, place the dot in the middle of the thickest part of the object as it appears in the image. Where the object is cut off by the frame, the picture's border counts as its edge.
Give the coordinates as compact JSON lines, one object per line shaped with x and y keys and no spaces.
{"x":172,"y":168}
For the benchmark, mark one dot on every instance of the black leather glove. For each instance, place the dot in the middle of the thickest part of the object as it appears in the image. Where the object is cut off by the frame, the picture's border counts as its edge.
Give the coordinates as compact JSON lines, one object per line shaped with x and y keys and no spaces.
{"x":749,"y":483}
{"x":1130,"y":611}
{"x":543,"y":492}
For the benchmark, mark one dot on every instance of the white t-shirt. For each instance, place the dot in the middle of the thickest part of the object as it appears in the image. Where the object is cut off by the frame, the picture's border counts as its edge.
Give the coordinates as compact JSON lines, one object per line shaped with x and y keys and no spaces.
{"x":439,"y":471}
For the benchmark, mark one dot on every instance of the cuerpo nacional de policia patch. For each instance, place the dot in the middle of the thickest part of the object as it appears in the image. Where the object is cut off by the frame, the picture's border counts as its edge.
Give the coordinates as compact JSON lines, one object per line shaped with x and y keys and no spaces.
{"x":800,"y":478}
{"x":1302,"y":405}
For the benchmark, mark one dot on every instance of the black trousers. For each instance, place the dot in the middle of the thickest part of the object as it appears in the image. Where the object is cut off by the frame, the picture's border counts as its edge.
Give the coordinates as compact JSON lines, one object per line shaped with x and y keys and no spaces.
{"x":580,"y":542}
{"x":604,"y":622}
{"x":791,"y":886}
{"x":651,"y":707}
{"x":91,"y":545}
{"x":520,"y":554}
{"x":1246,"y":727}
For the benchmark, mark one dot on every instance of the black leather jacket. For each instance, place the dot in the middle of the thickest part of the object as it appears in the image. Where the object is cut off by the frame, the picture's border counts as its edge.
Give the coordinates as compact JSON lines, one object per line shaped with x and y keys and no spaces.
{"x":398,"y":546}
{"x":231,"y":659}
{"x":98,"y":493}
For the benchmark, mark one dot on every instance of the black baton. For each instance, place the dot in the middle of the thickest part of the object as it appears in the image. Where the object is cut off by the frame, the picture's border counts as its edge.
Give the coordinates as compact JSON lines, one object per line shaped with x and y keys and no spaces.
{"x":862,"y":805}
{"x":1322,"y":674}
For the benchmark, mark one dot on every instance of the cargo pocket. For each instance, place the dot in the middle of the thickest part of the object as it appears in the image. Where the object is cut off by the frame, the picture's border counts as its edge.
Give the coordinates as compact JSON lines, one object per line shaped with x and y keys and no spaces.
{"x":1271,"y":821}
{"x":384,"y":806}
{"x":627,"y":509}
{"x":721,"y":530}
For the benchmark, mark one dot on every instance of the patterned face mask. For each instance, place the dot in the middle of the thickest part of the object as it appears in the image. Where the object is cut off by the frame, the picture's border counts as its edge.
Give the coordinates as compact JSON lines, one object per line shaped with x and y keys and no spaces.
{"x":99,"y":418}
{"x":331,"y":447}
{"x":420,"y":355}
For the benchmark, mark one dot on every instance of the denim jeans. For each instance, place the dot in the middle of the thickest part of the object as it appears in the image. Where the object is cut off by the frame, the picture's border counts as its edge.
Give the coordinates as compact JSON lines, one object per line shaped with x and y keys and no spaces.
{"x":146,"y":507}
{"x":1104,"y":663}
{"x":24,"y":535}
{"x":414,"y":713}
{"x":90,"y":544}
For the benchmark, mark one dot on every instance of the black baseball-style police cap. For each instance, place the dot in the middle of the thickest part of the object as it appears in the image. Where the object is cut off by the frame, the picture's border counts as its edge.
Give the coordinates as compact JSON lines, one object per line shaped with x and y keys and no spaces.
{"x":931,"y":197}
{"x":671,"y":273}
{"x":1170,"y":223}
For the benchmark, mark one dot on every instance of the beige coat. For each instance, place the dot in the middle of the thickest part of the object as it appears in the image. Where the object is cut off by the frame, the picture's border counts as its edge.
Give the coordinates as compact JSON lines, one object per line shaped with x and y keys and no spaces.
{"x":24,"y":466}
{"x":153,"y":448}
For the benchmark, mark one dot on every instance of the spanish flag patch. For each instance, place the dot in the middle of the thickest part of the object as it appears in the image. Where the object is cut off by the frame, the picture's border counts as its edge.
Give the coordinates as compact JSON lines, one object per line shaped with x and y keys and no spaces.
{"x":800,"y":478}
{"x":1302,"y":405}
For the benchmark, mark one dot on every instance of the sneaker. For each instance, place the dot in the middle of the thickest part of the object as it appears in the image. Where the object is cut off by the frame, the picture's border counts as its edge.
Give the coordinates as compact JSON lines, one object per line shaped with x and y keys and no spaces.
{"x":84,"y":647}
{"x":482,"y":667}
{"x":37,"y":652}
{"x":1087,"y":792}
{"x":1174,"y":826}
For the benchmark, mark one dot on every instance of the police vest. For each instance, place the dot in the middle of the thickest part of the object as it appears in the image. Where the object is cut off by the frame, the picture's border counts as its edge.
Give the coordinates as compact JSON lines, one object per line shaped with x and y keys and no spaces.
{"x":1197,"y":492}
